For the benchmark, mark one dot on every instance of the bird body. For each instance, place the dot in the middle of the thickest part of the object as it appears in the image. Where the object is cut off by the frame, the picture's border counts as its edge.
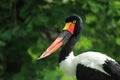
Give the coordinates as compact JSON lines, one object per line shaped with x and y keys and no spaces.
{"x":86,"y":66}
{"x":92,"y":60}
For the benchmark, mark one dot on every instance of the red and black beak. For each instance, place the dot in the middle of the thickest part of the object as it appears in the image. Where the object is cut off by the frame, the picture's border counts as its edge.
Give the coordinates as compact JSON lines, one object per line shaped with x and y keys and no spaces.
{"x":68,"y":30}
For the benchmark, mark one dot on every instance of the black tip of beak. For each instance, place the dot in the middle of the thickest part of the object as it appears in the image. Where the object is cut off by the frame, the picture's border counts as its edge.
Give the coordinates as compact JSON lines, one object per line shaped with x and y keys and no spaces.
{"x":65,"y":35}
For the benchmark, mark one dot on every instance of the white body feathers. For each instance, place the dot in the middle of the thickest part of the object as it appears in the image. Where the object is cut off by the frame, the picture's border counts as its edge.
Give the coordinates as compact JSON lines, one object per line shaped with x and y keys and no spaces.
{"x":89,"y":59}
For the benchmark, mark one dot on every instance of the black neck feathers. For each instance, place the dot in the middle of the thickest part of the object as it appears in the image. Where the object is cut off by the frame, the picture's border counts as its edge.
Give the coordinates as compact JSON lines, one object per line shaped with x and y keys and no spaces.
{"x":68,"y":47}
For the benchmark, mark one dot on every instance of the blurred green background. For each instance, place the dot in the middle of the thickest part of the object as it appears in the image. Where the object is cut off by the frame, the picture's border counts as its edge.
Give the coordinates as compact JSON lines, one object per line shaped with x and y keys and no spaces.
{"x":28,"y":27}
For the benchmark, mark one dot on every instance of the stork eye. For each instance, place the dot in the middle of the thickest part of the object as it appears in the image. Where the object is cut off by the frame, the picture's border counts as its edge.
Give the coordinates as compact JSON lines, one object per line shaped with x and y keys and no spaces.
{"x":74,"y":21}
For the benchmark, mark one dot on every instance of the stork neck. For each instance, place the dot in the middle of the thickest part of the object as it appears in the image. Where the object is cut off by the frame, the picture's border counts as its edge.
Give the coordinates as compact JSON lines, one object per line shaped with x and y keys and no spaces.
{"x":68,"y":47}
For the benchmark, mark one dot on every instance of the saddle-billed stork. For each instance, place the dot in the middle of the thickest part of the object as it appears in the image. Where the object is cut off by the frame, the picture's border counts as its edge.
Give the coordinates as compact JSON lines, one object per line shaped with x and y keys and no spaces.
{"x":86,"y":66}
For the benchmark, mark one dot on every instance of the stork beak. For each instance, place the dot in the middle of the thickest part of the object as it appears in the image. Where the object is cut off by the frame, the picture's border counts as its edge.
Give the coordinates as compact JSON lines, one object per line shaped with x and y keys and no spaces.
{"x":61,"y":39}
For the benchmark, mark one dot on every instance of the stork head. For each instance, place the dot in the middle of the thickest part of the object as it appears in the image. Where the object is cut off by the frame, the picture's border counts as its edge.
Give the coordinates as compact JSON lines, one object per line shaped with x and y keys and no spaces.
{"x":73,"y":26}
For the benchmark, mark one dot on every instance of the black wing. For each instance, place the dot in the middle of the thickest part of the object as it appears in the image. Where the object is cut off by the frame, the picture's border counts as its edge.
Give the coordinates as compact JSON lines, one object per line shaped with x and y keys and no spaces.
{"x":87,"y":73}
{"x":112,"y":68}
